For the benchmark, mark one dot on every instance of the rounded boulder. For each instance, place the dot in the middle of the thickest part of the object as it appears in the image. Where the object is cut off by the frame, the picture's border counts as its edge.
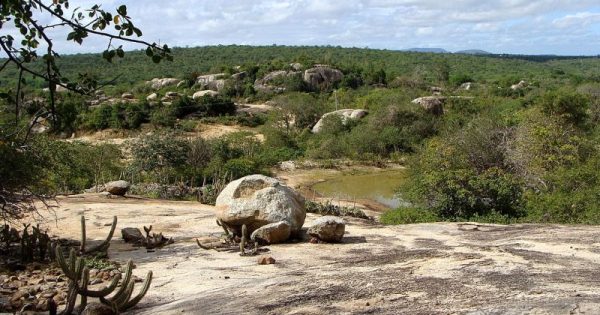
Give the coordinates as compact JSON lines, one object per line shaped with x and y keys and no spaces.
{"x":258,"y":200}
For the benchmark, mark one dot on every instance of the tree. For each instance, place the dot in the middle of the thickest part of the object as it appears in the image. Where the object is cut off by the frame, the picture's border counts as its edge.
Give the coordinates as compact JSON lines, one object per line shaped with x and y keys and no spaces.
{"x":21,"y":163}
{"x":22,"y":51}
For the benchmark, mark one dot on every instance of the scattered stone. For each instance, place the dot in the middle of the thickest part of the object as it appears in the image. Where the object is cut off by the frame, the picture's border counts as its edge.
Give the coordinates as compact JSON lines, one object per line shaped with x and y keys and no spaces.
{"x":118,"y":188}
{"x":266,"y":260}
{"x":466,"y":86}
{"x":272,"y":233}
{"x":127,"y":96}
{"x":328,"y":229}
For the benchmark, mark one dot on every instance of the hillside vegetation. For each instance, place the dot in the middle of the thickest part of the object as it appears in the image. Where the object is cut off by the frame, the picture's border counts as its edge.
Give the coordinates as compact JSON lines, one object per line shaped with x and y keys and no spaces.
{"x":497,"y":138}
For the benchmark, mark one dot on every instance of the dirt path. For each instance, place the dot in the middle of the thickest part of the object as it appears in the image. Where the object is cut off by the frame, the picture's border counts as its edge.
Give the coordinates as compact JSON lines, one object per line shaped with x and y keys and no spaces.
{"x":442,"y":268}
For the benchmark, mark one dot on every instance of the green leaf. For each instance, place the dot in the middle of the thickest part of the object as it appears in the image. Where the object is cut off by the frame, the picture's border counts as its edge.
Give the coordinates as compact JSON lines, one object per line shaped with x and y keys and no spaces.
{"x":149,"y":52}
{"x":120,"y":52}
{"x":156,"y":58}
{"x":137,"y":31}
{"x":122,"y":10}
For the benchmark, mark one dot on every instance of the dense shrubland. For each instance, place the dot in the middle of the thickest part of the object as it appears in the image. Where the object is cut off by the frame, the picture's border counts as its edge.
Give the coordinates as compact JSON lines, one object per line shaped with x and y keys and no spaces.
{"x":497,"y":154}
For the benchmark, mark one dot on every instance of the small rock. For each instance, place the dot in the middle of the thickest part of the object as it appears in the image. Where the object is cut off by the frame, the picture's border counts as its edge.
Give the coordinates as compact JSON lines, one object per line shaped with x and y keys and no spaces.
{"x":273,"y":233}
{"x":328,"y":229}
{"x":132,"y":235}
{"x":97,"y":309}
{"x":266,"y":260}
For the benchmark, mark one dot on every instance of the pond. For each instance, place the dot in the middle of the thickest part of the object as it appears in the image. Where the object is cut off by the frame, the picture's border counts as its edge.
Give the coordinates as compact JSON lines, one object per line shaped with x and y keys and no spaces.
{"x":379,"y":186}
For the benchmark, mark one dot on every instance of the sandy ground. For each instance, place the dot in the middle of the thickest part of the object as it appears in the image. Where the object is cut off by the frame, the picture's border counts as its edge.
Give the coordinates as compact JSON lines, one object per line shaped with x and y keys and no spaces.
{"x":441,"y":268}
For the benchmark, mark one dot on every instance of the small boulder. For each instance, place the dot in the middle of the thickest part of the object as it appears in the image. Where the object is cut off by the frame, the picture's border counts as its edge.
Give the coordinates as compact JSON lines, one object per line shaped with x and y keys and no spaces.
{"x":466,"y":86}
{"x":127,"y":96}
{"x":272,"y":233}
{"x":152,"y":97}
{"x":132,"y":235}
{"x":118,"y":187}
{"x":201,"y":94}
{"x":518,"y":86}
{"x":328,"y":229}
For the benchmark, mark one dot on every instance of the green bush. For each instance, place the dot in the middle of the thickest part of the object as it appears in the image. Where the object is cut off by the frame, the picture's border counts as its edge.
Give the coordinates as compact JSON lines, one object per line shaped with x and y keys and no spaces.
{"x":408,"y":215}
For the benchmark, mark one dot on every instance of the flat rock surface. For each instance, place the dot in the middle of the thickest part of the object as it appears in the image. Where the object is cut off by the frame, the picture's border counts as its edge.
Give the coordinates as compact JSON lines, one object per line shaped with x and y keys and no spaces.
{"x":440,"y":268}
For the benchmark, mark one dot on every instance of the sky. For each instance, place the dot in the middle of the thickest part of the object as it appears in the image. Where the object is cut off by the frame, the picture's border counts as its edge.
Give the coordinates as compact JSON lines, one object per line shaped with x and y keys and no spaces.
{"x":561,"y":27}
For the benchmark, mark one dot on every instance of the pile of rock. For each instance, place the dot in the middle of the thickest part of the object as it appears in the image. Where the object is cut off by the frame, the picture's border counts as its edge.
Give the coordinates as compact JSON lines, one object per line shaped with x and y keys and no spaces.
{"x":158,"y":84}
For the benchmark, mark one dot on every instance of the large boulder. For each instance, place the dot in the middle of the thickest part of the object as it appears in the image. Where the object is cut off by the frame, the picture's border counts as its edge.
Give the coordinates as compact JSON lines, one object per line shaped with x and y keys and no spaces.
{"x":321,"y":75}
{"x":258,"y":200}
{"x":201,"y":94}
{"x":433,"y":104}
{"x":216,"y":85}
{"x":269,"y":81}
{"x":345,"y":115}
{"x":118,"y":187}
{"x":328,"y":229}
{"x":158,"y":84}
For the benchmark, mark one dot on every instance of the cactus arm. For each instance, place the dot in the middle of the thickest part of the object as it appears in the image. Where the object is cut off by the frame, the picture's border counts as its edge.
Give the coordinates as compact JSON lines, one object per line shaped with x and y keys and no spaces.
{"x":131,"y":303}
{"x":83,"y":237}
{"x":126,"y":280}
{"x":103,"y":292}
{"x":66,"y":267}
{"x":125,"y":296}
{"x":83,"y":287}
{"x":104,"y":245}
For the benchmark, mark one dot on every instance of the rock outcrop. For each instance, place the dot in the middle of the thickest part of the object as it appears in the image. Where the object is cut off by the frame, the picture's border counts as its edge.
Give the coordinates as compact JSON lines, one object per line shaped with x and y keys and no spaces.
{"x":152,"y":97}
{"x":206,"y":79}
{"x":118,"y":187}
{"x":200,"y":94}
{"x":321,"y":75}
{"x":345,"y":114}
{"x":258,"y":200}
{"x":268,"y":82}
{"x":158,"y":84}
{"x":433,"y":104}
{"x":328,"y":229}
{"x":518,"y":86}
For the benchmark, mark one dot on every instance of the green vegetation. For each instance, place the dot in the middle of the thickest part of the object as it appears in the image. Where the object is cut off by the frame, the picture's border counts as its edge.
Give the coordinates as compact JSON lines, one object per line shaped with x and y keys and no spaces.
{"x":495,"y":154}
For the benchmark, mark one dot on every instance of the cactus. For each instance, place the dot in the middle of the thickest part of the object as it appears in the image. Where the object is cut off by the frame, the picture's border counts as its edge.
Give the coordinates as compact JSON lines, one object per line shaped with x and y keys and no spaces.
{"x":155,"y":240}
{"x":102,"y":247}
{"x":78,"y":276}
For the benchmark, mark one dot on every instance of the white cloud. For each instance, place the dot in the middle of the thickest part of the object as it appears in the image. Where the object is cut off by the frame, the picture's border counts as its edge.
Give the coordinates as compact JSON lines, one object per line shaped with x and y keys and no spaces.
{"x":581,"y":19}
{"x":517,"y":26}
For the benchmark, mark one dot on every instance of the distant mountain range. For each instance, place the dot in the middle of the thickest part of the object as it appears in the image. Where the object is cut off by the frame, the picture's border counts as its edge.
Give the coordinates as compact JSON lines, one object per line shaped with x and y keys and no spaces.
{"x":443,"y":51}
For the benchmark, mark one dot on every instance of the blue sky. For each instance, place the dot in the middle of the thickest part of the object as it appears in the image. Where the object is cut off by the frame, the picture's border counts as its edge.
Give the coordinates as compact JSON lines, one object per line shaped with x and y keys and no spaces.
{"x":564,"y":27}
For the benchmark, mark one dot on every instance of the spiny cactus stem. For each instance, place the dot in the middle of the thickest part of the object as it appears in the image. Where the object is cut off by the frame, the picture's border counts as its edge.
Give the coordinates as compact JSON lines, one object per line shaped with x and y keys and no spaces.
{"x":83,"y":236}
{"x":131,"y":303}
{"x":104,"y":245}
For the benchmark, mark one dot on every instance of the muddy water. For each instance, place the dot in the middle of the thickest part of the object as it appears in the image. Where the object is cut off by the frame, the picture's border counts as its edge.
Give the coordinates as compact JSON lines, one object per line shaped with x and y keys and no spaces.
{"x":379,"y":186}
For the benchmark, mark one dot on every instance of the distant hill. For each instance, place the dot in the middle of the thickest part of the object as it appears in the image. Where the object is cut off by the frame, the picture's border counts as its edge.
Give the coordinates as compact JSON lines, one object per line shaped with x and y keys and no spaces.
{"x":473,"y":52}
{"x":428,"y":50}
